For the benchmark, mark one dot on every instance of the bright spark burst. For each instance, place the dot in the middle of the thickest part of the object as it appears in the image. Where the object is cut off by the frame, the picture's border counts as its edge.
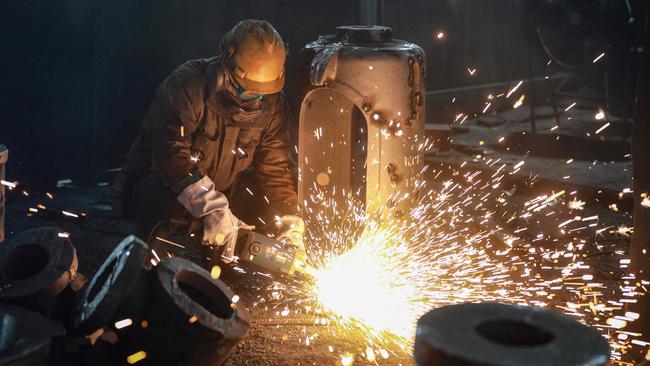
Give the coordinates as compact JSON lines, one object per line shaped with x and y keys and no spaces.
{"x":463,"y":240}
{"x":576,"y":204}
{"x":375,"y":271}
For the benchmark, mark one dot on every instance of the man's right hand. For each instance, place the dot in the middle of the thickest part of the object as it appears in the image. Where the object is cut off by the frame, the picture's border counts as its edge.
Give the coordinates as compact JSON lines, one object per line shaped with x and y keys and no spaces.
{"x":221,"y":227}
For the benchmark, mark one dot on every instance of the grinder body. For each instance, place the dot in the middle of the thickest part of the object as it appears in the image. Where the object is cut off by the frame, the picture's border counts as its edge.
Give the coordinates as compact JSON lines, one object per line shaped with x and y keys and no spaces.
{"x":266,"y":252}
{"x":258,"y":249}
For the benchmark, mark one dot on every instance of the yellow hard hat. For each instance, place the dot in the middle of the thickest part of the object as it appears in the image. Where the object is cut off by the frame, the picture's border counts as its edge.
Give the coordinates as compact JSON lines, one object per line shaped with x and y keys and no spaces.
{"x":255,"y":54}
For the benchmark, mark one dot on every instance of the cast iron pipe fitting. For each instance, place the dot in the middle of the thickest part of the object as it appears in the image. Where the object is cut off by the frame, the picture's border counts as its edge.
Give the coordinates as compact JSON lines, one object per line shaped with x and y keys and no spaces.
{"x":35,"y":266}
{"x":505,"y":335}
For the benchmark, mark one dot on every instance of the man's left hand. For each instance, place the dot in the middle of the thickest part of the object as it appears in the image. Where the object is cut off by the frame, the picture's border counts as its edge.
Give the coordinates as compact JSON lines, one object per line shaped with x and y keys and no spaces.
{"x":291,"y":230}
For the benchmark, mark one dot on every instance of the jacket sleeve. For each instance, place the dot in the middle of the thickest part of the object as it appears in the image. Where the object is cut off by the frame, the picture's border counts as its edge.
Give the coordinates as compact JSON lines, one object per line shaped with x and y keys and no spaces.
{"x":273,"y":166}
{"x":178,"y":109}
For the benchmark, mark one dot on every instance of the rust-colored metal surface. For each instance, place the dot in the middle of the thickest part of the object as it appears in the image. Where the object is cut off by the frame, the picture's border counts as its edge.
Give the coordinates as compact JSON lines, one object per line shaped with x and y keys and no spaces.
{"x":361,"y":118}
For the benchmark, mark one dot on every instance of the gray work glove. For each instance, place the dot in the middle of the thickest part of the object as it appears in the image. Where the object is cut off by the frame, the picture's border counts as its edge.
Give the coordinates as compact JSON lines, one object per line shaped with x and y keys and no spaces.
{"x":220,"y":226}
{"x":291,"y":230}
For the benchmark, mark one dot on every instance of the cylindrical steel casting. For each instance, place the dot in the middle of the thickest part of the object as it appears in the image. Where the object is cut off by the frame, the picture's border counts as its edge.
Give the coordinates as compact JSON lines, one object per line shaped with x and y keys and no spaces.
{"x":35,"y":265}
{"x":118,"y":289}
{"x":509,"y":335}
{"x":361,"y":119}
{"x":193,"y":319}
{"x":4,"y":156}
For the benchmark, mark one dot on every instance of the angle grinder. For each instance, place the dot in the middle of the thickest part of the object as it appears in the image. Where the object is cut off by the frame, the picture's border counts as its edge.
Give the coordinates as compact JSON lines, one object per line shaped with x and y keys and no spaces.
{"x":268,"y":253}
{"x":265,"y":252}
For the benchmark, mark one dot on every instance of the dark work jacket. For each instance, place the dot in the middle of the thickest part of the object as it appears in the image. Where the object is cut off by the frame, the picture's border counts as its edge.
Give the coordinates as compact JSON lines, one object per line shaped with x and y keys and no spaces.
{"x":194,"y":128}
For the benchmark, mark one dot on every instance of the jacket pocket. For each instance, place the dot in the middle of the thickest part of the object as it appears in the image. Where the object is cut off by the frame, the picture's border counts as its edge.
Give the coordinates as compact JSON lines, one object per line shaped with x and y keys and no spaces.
{"x":247,"y":142}
{"x":204,"y":151}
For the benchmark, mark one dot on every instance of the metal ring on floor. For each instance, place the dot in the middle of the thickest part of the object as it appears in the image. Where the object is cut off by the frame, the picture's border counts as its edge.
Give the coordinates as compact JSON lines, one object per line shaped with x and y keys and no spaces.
{"x":504,"y":334}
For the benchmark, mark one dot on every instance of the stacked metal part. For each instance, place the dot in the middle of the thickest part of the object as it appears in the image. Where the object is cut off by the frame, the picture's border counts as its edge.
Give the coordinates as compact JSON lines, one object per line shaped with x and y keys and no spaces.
{"x":161,"y":313}
{"x":361,"y":118}
{"x":38,"y":276}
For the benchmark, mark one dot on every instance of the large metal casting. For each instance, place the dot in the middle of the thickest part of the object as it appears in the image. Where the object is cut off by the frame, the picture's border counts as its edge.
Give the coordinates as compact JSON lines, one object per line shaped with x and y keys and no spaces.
{"x":508,"y":335}
{"x":35,"y":266}
{"x":361,"y":119}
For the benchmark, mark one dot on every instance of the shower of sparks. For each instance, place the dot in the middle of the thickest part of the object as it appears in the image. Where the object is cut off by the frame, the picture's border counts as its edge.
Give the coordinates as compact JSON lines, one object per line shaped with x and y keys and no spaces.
{"x":462,"y":240}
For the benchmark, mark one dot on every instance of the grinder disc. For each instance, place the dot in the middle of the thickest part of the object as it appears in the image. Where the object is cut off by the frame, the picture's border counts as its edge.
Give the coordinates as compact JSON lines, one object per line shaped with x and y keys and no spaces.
{"x":508,"y":335}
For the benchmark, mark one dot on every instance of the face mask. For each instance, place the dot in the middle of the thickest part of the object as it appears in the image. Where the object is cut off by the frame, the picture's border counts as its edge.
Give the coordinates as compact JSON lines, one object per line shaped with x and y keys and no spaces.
{"x":243,"y":93}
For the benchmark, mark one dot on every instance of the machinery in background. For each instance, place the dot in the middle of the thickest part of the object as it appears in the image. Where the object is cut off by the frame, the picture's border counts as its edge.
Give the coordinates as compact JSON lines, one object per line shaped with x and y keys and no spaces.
{"x":575,"y":35}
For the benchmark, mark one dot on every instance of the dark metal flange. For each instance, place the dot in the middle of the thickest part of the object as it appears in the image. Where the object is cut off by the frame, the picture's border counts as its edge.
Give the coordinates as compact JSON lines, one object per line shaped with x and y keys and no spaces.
{"x":194,"y":319}
{"x":503,"y":334}
{"x":35,"y":265}
{"x":25,"y":337}
{"x":120,"y":279}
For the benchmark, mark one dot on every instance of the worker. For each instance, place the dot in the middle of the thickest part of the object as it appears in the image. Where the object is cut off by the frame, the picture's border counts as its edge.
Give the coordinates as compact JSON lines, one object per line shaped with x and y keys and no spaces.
{"x":212,"y":146}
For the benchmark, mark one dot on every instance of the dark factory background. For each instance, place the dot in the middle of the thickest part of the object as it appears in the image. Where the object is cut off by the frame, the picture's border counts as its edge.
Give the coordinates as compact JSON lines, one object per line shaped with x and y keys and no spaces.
{"x":77,"y":75}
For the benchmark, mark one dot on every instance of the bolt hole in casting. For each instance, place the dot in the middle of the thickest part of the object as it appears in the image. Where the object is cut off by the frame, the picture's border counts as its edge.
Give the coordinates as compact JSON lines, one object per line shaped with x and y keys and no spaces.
{"x":204,"y":293}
